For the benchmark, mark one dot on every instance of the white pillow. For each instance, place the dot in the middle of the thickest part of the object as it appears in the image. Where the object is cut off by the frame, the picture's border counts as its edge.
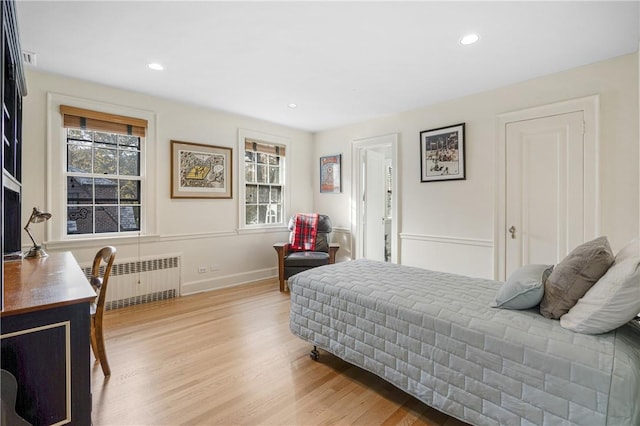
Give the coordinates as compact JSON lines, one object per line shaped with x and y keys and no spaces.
{"x":631,"y":249}
{"x":612,"y":301}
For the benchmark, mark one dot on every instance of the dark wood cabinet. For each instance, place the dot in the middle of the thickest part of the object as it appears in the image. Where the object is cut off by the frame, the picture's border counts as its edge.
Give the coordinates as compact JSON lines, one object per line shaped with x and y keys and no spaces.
{"x":44,"y":339}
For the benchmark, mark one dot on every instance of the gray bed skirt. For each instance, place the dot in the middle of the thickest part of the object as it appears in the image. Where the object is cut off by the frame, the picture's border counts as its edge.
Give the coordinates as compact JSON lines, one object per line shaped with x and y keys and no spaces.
{"x":434,"y":335}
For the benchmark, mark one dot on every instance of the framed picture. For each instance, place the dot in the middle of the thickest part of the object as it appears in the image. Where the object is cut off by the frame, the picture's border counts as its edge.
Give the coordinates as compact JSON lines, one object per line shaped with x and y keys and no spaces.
{"x":330,"y":167}
{"x":442,"y":153}
{"x":200,"y":171}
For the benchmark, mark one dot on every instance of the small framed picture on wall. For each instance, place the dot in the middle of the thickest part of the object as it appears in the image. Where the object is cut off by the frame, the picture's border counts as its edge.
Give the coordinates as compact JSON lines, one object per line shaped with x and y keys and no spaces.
{"x":442,"y":154}
{"x":330,"y":169}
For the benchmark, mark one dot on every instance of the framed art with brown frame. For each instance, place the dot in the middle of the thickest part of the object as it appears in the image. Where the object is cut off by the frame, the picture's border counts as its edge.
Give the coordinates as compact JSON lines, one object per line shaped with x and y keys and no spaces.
{"x":200,"y":171}
{"x":442,"y":154}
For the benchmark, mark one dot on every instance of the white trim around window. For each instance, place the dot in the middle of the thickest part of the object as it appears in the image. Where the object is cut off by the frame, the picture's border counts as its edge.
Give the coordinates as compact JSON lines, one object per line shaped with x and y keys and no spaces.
{"x":56,"y":167}
{"x":244,"y":134}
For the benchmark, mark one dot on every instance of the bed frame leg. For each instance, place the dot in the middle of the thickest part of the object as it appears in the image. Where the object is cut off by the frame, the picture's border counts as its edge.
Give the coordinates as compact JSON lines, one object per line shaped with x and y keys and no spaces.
{"x":314,"y":354}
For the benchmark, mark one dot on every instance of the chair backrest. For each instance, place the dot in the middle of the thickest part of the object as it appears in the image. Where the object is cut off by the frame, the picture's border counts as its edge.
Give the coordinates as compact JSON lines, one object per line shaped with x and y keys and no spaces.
{"x":100,"y":275}
{"x":324,"y":229}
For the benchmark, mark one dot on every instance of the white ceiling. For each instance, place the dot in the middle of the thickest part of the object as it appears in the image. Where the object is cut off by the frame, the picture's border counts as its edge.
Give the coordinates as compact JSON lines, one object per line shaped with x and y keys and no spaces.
{"x":340,"y":62}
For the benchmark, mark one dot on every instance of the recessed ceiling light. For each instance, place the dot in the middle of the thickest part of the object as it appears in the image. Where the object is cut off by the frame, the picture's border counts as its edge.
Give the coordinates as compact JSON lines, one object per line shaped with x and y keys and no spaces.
{"x":292,"y":106}
{"x":469,"y":39}
{"x":155,"y":66}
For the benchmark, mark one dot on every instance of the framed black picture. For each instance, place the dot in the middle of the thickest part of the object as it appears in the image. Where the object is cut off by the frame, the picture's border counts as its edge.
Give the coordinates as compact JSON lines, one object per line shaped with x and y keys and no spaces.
{"x":442,"y":154}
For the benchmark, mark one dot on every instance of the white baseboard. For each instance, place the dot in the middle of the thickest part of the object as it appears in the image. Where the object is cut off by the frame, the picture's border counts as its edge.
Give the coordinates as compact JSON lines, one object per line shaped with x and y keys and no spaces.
{"x":231,"y":280}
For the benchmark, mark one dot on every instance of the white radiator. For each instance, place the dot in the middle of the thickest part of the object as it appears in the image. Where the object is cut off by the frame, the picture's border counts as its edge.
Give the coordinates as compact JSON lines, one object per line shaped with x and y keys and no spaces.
{"x":137,"y":281}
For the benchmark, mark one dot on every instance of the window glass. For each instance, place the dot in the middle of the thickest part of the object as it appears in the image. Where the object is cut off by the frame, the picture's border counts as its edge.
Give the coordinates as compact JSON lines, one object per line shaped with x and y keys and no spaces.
{"x":79,"y":220}
{"x":130,"y":141}
{"x":129,"y":218}
{"x":106,"y":191}
{"x":263,"y":194}
{"x":263,"y":183}
{"x":80,"y":134}
{"x":129,"y":191}
{"x":274,"y":174}
{"x":129,"y":162}
{"x":106,"y":218}
{"x":105,"y":161}
{"x":252,"y":214}
{"x":262,"y":173}
{"x":79,"y":157}
{"x":105,"y":139}
{"x":103,"y":182}
{"x":250,"y":172}
{"x":79,"y":190}
{"x":251,"y":194}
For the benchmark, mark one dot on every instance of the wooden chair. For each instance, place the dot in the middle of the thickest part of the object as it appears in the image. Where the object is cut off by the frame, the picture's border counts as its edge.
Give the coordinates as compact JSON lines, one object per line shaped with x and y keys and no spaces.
{"x":99,"y":283}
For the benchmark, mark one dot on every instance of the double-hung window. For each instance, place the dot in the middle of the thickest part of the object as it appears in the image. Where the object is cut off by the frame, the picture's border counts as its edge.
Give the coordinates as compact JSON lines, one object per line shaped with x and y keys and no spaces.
{"x":103,"y":172}
{"x":263,"y":172}
{"x":264,"y":176}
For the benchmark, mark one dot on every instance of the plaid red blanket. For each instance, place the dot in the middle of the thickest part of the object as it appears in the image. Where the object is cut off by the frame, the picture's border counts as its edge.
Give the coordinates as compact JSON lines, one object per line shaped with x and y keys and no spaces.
{"x":305,"y":229}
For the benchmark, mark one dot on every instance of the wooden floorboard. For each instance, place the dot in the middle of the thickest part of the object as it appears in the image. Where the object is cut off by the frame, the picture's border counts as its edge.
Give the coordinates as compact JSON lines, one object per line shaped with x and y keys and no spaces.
{"x":227,"y":357}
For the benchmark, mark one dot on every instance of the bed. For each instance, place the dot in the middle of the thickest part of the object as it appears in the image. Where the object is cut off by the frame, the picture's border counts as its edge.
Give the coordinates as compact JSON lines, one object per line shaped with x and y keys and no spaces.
{"x":435,"y":336}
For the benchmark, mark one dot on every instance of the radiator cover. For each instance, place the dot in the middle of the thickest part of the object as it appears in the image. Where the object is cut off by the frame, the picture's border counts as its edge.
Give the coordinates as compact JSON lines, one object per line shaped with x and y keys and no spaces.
{"x":137,"y":281}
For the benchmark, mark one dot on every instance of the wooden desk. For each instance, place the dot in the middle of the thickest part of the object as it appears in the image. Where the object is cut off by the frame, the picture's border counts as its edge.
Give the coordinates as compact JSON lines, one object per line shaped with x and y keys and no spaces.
{"x":44,"y":338}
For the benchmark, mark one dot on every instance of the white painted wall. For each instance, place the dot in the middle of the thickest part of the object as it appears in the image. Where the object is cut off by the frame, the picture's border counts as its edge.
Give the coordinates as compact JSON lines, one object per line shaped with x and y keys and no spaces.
{"x":449,"y":225}
{"x":443,"y":225}
{"x":204,"y":232}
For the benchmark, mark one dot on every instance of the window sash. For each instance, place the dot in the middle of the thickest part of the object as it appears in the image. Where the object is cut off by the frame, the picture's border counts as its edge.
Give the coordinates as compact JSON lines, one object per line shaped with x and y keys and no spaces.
{"x":124,"y":211}
{"x":262,"y":205}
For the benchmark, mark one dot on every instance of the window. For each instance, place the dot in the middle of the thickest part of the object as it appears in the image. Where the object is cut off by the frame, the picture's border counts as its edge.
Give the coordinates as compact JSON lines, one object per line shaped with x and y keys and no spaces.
{"x":264,"y":168}
{"x":103,"y":172}
{"x":263,"y":180}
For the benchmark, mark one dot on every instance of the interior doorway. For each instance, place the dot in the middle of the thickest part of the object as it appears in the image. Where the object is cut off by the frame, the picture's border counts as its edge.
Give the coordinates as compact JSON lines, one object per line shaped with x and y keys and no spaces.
{"x":375,"y":195}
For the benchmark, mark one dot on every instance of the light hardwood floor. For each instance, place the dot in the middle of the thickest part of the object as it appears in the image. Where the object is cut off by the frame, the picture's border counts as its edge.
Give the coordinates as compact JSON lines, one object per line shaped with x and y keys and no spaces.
{"x":227,"y":357}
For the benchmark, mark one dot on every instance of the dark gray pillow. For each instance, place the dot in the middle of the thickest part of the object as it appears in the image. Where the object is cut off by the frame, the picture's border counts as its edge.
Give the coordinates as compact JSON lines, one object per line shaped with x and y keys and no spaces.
{"x":572,"y":277}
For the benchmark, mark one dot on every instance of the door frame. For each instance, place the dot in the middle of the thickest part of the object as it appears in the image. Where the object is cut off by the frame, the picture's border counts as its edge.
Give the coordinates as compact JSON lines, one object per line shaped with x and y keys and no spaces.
{"x":590,"y":106}
{"x":358,"y":148}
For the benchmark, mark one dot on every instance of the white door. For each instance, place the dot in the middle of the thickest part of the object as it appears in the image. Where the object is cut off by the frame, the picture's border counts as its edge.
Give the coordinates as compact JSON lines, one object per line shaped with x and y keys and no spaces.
{"x":374,"y":203}
{"x":545,"y":189}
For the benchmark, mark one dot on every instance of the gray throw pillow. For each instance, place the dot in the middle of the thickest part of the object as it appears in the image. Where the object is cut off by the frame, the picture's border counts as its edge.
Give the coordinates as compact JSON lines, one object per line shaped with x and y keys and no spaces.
{"x":576,"y":274}
{"x":524,"y":288}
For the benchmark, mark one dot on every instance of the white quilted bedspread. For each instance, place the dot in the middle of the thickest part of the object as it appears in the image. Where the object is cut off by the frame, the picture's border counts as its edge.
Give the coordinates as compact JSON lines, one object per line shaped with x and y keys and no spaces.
{"x":434,"y":335}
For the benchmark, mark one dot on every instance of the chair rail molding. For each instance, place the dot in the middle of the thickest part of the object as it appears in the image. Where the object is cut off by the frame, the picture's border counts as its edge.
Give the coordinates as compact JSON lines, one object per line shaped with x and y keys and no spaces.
{"x":447,"y":240}
{"x":446,"y":253}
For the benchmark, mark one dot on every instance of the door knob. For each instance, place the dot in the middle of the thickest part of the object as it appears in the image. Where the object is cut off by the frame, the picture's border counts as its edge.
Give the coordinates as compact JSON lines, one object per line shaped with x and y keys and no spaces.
{"x":512,"y":230}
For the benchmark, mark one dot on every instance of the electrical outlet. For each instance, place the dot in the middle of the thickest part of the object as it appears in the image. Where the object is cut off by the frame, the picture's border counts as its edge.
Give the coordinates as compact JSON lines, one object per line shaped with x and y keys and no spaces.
{"x":214,"y":267}
{"x":202,"y":269}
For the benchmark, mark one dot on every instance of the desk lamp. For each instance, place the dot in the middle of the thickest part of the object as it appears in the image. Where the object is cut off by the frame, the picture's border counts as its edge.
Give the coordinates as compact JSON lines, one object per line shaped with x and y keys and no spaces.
{"x":37,"y":216}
